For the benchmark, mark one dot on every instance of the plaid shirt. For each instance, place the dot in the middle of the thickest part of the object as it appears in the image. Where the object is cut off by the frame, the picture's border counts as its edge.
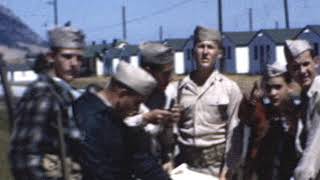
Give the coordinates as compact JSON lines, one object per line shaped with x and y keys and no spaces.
{"x":35,"y":133}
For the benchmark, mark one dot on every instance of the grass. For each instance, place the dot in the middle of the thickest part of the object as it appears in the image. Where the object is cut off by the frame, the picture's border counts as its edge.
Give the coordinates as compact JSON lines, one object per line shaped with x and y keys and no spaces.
{"x":245,"y":83}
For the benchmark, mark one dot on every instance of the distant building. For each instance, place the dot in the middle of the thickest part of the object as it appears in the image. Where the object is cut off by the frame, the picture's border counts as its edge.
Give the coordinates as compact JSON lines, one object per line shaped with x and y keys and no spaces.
{"x":20,"y":73}
{"x":178,"y":45}
{"x":111,"y":60}
{"x":189,"y":63}
{"x":244,"y":52}
{"x":130,"y":54}
{"x":236,"y":52}
{"x":267,"y":47}
{"x":311,"y":33}
{"x":93,"y":63}
{"x":113,"y":56}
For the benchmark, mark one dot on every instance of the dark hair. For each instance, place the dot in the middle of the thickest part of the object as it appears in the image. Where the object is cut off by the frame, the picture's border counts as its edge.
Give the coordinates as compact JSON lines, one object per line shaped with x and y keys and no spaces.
{"x":41,"y":64}
{"x":152,"y":66}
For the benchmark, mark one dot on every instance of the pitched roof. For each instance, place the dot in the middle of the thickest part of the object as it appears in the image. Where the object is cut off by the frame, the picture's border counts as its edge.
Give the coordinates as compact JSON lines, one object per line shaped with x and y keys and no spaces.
{"x":130,"y":50}
{"x":280,"y":35}
{"x":240,"y":38}
{"x":314,"y":28}
{"x":94,"y":50}
{"x":177,"y":44}
{"x":113,"y":53}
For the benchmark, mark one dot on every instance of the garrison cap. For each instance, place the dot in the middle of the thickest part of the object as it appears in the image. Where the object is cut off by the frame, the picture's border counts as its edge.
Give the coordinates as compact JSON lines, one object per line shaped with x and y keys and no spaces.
{"x":205,"y":34}
{"x":135,"y":78}
{"x":293,"y":48}
{"x":275,"y":69}
{"x":66,"y":37}
{"x":156,"y":53}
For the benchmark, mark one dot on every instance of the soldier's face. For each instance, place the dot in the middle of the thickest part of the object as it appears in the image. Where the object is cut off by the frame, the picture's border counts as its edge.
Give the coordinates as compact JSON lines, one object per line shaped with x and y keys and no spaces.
{"x":129,"y":102}
{"x":67,"y":63}
{"x":163,"y":75}
{"x":277,"y":90}
{"x":303,"y":69}
{"x":206,"y":54}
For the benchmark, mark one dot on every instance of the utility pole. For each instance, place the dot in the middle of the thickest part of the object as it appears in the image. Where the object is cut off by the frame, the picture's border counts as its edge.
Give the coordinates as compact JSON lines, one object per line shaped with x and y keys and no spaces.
{"x":124,"y":24}
{"x":222,"y":60}
{"x":160,"y":33}
{"x":54,"y":4}
{"x":250,"y":20}
{"x":286,"y":13}
{"x":220,"y":15}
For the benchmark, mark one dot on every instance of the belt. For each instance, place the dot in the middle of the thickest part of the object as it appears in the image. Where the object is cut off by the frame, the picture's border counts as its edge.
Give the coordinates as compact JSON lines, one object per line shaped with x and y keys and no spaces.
{"x":202,"y":157}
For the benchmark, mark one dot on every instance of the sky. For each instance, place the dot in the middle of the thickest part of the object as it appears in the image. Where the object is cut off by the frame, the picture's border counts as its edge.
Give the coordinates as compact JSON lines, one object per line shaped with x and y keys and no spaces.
{"x":101,"y":19}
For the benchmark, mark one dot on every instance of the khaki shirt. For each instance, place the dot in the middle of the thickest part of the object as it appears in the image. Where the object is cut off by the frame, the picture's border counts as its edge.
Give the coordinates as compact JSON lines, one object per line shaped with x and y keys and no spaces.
{"x":211,"y":114}
{"x":309,"y":165}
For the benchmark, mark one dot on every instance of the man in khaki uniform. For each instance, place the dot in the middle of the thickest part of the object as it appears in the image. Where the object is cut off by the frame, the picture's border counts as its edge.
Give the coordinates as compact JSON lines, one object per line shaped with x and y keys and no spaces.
{"x":208,"y":131}
{"x":302,"y":67}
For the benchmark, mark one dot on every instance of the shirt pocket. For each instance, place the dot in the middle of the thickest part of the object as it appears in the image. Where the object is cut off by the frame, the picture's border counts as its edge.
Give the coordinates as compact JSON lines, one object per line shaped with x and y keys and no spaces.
{"x":217,"y":107}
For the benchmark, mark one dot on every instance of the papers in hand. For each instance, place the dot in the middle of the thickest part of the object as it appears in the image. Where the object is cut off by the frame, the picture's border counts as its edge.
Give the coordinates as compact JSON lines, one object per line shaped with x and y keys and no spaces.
{"x":182,"y":172}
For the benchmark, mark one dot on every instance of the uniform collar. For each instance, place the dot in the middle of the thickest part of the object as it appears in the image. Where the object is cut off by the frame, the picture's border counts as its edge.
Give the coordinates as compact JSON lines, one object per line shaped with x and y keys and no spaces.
{"x":189,"y":84}
{"x":96,"y":102}
{"x":214,"y":77}
{"x":315,"y":87}
{"x":75,"y":94}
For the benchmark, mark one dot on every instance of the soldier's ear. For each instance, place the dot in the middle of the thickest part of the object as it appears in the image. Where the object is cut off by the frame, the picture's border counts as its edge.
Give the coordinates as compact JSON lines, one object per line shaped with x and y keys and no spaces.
{"x":50,"y":57}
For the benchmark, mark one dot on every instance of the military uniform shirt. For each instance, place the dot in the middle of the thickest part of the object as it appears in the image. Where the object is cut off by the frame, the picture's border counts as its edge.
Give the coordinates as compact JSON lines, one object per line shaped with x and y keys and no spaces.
{"x":210,"y":114}
{"x":310,"y":160}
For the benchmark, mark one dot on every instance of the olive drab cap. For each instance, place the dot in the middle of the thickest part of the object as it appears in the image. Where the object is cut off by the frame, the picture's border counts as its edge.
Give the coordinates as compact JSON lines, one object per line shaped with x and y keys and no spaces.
{"x":156,"y":53}
{"x":205,"y":34}
{"x":276,"y":69}
{"x":293,"y":48}
{"x":66,"y":37}
{"x":135,"y":78}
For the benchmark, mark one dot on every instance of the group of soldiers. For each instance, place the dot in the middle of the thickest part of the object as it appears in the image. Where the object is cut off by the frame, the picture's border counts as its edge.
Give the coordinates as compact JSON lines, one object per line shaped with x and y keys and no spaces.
{"x":142,"y":126}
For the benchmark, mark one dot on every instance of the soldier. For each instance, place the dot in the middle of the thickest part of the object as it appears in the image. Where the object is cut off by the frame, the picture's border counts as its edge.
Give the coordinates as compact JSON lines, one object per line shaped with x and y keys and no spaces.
{"x":302,"y":67}
{"x":109,"y":150}
{"x":44,"y":127}
{"x":208,"y":132}
{"x":156,"y":114}
{"x":273,"y":120}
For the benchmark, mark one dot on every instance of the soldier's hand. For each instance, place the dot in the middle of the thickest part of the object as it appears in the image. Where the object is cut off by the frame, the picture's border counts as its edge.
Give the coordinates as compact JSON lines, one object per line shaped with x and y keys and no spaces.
{"x":168,"y":166}
{"x":157,"y":116}
{"x":305,"y":173}
{"x":176,"y":111}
